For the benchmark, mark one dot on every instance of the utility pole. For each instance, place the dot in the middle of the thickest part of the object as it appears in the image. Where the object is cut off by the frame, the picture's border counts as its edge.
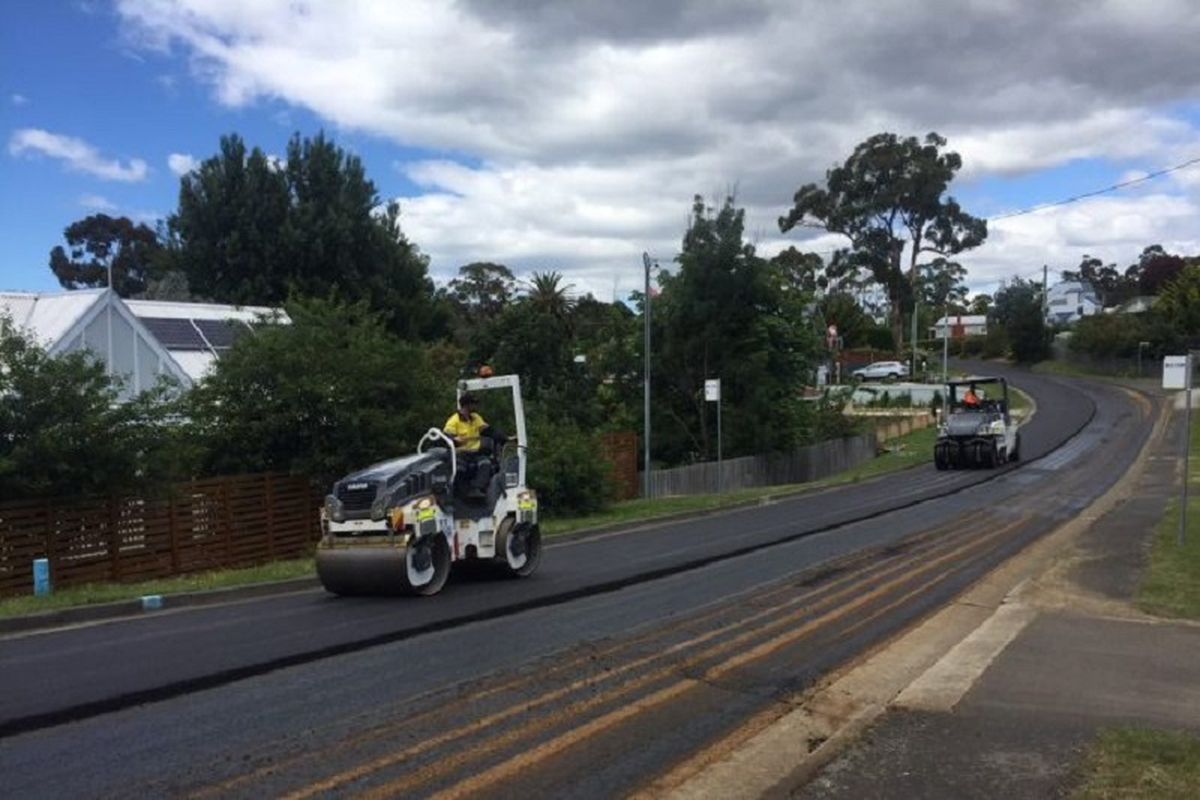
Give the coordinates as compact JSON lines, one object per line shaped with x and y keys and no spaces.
{"x":648,"y":264}
{"x":1045,"y":293}
{"x":1187,"y":446}
{"x":946,"y":343}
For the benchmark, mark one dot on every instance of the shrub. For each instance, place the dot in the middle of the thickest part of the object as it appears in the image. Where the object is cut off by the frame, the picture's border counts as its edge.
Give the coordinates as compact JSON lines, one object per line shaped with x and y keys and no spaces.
{"x":63,"y":431}
{"x":567,"y":470}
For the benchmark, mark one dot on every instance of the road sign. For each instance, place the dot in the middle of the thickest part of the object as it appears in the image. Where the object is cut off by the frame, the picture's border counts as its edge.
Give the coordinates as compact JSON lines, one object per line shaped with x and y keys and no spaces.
{"x":712,"y":390}
{"x":1175,"y":372}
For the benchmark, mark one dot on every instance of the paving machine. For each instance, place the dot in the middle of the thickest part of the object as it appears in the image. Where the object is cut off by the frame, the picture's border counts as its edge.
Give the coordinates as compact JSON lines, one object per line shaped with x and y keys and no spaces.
{"x":397,"y":526}
{"x":977,"y":429}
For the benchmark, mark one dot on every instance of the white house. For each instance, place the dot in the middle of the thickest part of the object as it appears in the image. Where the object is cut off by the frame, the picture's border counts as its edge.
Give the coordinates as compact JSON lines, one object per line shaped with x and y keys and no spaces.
{"x":959,"y":325}
{"x":138,"y":340}
{"x":1071,"y":301}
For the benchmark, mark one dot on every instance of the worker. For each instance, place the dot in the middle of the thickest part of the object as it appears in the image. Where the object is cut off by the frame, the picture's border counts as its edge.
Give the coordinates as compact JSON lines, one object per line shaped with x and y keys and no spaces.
{"x":467,"y":429}
{"x":970,"y":399}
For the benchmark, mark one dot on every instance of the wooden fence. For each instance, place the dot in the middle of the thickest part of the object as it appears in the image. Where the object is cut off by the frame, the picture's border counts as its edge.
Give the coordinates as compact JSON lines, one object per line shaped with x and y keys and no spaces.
{"x":803,"y":464}
{"x":621,"y":451}
{"x":210,"y":524}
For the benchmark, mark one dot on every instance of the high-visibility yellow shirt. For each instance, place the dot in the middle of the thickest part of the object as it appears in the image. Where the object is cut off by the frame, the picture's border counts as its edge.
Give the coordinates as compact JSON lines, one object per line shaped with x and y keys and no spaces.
{"x":468,"y":430}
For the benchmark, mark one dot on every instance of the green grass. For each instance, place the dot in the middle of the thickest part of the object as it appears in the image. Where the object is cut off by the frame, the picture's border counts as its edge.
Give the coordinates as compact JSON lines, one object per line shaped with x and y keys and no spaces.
{"x":907,"y":451}
{"x":1019,"y":403}
{"x":1132,"y":763}
{"x":1171,"y":584}
{"x":92,"y":594}
{"x":902,"y":453}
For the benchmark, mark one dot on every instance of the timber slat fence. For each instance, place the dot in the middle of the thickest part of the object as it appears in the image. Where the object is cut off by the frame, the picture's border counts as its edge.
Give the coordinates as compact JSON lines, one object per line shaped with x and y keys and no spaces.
{"x":208,"y":524}
{"x":804,"y":464}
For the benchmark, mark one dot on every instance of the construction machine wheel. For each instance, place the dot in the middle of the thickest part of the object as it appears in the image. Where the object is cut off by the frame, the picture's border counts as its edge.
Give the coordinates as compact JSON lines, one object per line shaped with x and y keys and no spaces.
{"x":426,"y":566}
{"x":518,"y":548}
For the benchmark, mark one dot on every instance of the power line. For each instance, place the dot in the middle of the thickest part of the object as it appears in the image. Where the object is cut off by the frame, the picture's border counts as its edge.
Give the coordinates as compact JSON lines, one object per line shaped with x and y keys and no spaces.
{"x":1105,"y":190}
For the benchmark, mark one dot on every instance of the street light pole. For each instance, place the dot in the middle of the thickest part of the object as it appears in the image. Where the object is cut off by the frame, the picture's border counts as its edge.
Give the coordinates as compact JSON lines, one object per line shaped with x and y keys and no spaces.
{"x":647,"y":263}
{"x":946,"y":343}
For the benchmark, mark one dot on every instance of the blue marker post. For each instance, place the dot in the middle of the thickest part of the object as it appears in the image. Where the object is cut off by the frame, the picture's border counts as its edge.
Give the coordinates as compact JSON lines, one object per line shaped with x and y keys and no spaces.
{"x":41,"y":576}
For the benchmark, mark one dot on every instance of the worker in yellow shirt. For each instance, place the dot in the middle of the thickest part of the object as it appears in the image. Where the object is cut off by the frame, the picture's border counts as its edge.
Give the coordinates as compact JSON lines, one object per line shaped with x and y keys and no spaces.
{"x":467,"y":429}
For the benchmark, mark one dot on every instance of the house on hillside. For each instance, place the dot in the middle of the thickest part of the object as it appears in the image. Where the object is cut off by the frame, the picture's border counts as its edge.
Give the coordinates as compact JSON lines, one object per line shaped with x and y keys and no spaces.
{"x":139,"y":340}
{"x":1070,"y":301}
{"x":959,"y":326}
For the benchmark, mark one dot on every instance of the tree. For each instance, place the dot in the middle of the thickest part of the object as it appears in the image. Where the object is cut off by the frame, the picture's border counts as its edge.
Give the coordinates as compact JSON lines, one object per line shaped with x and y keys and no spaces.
{"x":332,"y":391}
{"x":853,"y":325}
{"x":1179,"y":302}
{"x":725,"y":314}
{"x":803,"y":272}
{"x":100,"y":244}
{"x":63,"y":433}
{"x":942,"y":284}
{"x":890,"y":194}
{"x":1018,"y":311}
{"x":482,"y":289}
{"x":1156,"y":268}
{"x":249,"y":230}
{"x":549,"y":295}
{"x":1111,"y":285}
{"x":981,"y":304}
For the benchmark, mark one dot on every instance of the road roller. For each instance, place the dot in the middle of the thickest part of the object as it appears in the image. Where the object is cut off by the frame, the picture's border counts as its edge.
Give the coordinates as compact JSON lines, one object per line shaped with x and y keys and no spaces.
{"x":398,"y":526}
{"x":976,"y":430}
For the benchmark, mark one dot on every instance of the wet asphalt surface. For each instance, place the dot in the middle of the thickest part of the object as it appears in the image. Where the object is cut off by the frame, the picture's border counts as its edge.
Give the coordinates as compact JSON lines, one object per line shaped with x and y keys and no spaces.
{"x":199,"y":698}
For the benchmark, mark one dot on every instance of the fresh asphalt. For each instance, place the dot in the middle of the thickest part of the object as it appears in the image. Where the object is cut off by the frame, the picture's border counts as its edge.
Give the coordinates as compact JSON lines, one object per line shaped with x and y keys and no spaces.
{"x":353,"y":659}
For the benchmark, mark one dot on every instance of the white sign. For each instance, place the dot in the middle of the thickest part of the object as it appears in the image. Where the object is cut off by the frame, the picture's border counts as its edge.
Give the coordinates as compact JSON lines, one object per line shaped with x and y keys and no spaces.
{"x":712,"y":390}
{"x":1175,"y":372}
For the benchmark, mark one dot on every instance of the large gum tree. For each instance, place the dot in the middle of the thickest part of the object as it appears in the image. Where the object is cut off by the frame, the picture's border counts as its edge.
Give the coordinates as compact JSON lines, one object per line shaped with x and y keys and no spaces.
{"x":890,"y":200}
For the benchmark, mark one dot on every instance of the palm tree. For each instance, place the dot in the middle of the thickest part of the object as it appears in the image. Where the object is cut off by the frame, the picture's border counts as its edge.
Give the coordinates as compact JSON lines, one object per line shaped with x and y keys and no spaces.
{"x":548,"y":294}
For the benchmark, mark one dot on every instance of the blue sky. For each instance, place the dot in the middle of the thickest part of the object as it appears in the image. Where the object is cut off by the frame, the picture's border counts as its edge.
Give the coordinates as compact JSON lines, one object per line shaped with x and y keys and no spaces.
{"x":547,"y":142}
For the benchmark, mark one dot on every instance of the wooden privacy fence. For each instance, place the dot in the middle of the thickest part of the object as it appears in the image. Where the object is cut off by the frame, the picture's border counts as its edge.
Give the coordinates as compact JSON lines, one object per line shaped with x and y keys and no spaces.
{"x":621,"y":451}
{"x":210,"y":524}
{"x":803,"y":464}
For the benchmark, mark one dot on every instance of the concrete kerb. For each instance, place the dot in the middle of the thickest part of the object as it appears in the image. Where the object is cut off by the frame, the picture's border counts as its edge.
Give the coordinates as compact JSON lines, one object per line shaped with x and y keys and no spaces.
{"x":781,"y":757}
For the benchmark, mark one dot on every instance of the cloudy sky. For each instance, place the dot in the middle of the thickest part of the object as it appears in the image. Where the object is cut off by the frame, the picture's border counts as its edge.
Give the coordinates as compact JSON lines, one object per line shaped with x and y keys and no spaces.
{"x":572,"y":134}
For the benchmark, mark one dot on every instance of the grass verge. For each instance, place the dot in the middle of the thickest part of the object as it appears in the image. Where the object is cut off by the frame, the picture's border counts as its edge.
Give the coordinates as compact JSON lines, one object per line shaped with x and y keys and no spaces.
{"x":1171,"y":584}
{"x":95,"y":593}
{"x":1138,"y":763}
{"x":907,"y":451}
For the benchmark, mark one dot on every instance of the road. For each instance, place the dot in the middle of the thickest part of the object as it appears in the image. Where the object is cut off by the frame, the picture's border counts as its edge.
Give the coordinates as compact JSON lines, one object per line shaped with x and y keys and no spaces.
{"x":624,"y":655}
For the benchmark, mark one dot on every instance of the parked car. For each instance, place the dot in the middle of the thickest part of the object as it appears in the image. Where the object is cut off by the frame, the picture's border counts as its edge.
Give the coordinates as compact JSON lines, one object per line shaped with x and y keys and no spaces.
{"x":881,"y":370}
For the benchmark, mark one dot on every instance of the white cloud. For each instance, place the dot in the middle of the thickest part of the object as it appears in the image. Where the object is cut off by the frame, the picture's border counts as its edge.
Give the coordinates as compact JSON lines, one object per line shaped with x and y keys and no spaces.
{"x":595,"y":123}
{"x":77,"y":154}
{"x":1114,"y":229}
{"x":18,"y":99}
{"x":181,"y":163}
{"x":95,"y":202}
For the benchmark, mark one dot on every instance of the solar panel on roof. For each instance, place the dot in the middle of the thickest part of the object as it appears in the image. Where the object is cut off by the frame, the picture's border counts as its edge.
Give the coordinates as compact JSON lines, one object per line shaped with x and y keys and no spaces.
{"x":221,"y":333}
{"x":174,"y":334}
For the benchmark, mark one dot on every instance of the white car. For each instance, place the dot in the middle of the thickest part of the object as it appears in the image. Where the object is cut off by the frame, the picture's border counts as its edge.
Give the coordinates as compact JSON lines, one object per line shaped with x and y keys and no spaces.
{"x":881,"y":370}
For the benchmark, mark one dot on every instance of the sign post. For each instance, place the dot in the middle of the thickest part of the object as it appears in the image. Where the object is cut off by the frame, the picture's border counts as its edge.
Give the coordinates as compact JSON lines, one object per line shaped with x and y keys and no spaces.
{"x":712,"y":394}
{"x":1177,"y":374}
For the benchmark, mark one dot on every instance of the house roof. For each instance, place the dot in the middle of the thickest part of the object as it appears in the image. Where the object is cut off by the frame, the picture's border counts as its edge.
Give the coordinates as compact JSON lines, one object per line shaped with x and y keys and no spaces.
{"x":49,"y":316}
{"x":963,"y":319}
{"x":196,"y":334}
{"x":192,"y":336}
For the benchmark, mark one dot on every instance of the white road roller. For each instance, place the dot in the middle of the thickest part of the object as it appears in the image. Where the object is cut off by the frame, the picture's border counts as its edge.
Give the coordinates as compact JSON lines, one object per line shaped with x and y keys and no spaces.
{"x":977,"y":429}
{"x":397,"y":526}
